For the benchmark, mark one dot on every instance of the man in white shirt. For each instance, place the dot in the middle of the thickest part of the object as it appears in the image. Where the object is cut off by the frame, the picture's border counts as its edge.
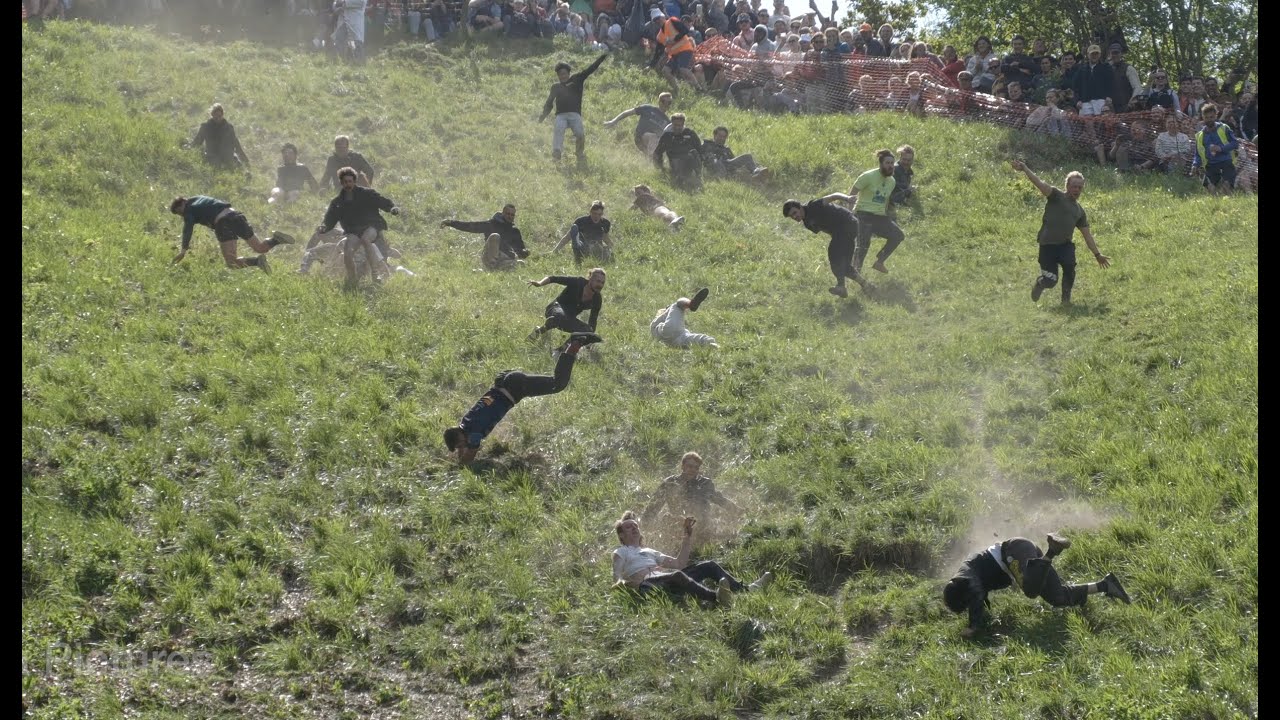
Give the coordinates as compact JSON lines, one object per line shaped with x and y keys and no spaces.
{"x":668,"y":326}
{"x":645,"y":569}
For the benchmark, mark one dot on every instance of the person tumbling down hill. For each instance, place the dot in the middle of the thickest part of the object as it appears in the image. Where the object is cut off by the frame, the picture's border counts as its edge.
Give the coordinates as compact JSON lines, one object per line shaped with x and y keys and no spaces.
{"x":509,"y":388}
{"x":821,"y":216}
{"x":652,"y":204}
{"x":689,"y":493}
{"x":357,"y":208}
{"x":668,"y":325}
{"x":645,"y":569}
{"x":1017,"y":561}
{"x":504,"y":246}
{"x":229,"y":226}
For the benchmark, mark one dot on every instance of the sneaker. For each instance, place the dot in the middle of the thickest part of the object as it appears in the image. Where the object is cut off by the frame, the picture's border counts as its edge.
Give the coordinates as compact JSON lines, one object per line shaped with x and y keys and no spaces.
{"x":1114,"y":590}
{"x":1066,"y":299}
{"x":761,"y":173}
{"x":677,"y":223}
{"x":879,"y":266}
{"x":282,"y":238}
{"x":698,"y":298}
{"x":724,"y":594}
{"x":839,"y":291}
{"x":585,"y":338}
{"x":262,"y":264}
{"x":1036,"y":290}
{"x":1057,"y":543}
{"x":761,"y":582}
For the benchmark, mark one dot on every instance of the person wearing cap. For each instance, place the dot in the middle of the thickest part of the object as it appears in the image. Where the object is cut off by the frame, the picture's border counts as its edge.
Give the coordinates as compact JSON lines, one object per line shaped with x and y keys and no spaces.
{"x":668,"y":328}
{"x":646,"y":570}
{"x":820,"y":215}
{"x":1018,"y":561}
{"x":589,"y":236}
{"x":675,"y":41}
{"x":746,"y":36}
{"x":1062,"y":216}
{"x":1018,"y":66}
{"x":653,"y":121}
{"x":1095,"y":82}
{"x":566,"y":96}
{"x":509,"y":388}
{"x":875,"y":48}
{"x":1125,"y":77}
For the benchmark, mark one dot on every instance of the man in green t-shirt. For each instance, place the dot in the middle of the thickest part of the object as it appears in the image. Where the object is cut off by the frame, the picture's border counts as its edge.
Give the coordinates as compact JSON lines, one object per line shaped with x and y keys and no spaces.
{"x":1062,"y":215}
{"x":872,"y":190}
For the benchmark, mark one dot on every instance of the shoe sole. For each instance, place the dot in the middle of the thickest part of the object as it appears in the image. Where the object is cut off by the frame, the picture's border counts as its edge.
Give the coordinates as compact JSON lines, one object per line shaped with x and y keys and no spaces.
{"x":1058,"y":540}
{"x":699,"y":298}
{"x":1036,"y":292}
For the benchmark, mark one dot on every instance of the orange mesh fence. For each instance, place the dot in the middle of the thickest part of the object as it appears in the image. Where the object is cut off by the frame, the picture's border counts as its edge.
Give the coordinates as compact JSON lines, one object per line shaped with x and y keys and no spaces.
{"x":856,"y":83}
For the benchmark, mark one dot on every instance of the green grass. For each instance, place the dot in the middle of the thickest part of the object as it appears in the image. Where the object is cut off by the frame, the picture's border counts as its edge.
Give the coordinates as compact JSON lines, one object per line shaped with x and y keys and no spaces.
{"x":248,"y":468}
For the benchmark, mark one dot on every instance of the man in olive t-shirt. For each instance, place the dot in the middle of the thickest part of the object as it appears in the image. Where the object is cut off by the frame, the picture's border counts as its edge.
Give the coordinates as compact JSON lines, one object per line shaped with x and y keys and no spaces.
{"x":1062,"y":215}
{"x":873,"y":189}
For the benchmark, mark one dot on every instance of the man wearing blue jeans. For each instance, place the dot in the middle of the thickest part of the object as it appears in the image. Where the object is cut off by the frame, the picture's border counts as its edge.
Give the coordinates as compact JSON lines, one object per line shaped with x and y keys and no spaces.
{"x":566,"y":96}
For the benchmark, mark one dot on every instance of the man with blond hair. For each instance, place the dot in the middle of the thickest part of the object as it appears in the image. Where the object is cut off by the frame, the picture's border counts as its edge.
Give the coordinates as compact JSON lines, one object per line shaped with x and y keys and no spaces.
{"x":1062,"y":216}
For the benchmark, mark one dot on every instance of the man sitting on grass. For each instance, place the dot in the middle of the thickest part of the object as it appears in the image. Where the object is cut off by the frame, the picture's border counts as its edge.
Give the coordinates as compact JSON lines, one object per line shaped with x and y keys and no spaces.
{"x":645,"y":569}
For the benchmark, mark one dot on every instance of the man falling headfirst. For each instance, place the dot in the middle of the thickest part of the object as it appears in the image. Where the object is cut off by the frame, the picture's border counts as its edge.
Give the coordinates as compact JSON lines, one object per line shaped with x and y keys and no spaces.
{"x":1018,"y":561}
{"x":229,"y":225}
{"x":668,"y":325}
{"x":509,"y":388}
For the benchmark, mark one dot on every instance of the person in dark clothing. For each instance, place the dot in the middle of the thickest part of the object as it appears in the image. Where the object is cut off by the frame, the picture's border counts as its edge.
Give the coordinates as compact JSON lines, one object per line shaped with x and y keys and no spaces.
{"x":343,"y":157}
{"x":503,"y":224}
{"x":509,"y":388}
{"x":221,"y":145}
{"x":589,"y":236}
{"x":228,"y":225}
{"x":821,"y":216}
{"x":1018,"y":66}
{"x":721,"y":161}
{"x":579,"y":294}
{"x":357,"y":208}
{"x":291,"y":176}
{"x":1094,"y":83}
{"x":683,"y":147}
{"x":1017,"y":561}
{"x":566,"y":96}
{"x":1062,"y":216}
{"x":653,"y":121}
{"x":902,"y":176}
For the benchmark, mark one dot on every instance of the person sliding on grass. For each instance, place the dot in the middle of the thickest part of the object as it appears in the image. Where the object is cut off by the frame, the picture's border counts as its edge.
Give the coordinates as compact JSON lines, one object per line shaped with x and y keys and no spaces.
{"x":579,"y":294}
{"x":566,"y":95}
{"x":357,"y":208}
{"x":1062,"y":215}
{"x":821,"y":216}
{"x":668,"y":325}
{"x":645,"y":569}
{"x":509,"y":388}
{"x":1017,"y":561}
{"x":688,"y":493}
{"x":229,"y":225}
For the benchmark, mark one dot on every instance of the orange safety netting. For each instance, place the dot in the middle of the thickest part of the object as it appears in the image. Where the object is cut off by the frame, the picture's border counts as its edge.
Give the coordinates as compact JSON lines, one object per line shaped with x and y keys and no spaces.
{"x":856,"y":83}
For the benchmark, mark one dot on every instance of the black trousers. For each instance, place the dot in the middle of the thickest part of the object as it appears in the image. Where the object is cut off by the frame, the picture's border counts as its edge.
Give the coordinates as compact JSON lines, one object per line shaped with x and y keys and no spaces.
{"x":522,"y":385}
{"x":840,"y":254}
{"x":689,"y":581}
{"x":1053,"y":256}
{"x":558,"y":318}
{"x":686,"y":170}
{"x":881,"y":226}
{"x":1039,"y":578}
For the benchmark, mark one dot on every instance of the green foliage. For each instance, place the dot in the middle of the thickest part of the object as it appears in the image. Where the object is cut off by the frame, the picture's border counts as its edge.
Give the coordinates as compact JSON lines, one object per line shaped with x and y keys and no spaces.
{"x":247,"y":469}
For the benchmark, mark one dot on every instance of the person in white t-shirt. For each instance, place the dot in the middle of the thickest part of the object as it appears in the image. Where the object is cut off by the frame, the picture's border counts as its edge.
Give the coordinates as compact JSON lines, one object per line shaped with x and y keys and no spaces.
{"x":645,"y":569}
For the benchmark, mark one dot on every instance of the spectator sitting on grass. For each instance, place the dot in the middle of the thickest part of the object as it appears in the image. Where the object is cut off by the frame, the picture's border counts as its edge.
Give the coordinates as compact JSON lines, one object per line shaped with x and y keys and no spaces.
{"x":1173,"y":149}
{"x":645,"y":569}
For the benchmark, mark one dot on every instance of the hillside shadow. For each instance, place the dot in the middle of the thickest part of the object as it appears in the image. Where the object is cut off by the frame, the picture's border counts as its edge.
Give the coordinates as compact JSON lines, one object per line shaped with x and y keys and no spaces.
{"x":1095,"y":309}
{"x":1048,"y":634}
{"x":894,"y":292}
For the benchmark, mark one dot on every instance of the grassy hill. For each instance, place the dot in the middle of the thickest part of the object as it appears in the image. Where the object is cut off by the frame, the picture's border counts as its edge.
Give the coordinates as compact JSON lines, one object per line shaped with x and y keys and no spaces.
{"x":245,"y":470}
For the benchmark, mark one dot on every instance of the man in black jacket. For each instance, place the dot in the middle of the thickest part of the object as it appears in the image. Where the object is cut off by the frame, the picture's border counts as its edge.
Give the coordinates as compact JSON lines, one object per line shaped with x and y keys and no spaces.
{"x":566,"y":96}
{"x":683,"y":147}
{"x":502,"y":224}
{"x":1018,"y":66}
{"x":1017,"y":561}
{"x":721,"y":161}
{"x":1094,"y":83}
{"x":221,"y":144}
{"x":579,"y":294}
{"x":357,"y":209}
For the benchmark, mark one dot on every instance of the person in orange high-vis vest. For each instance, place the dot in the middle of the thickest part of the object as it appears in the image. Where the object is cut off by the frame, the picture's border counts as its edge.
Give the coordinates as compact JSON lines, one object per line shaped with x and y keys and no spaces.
{"x":675,"y":40}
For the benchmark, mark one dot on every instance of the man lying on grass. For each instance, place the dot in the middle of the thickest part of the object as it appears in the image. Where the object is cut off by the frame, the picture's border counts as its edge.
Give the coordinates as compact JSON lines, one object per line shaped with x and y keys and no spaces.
{"x":509,"y":388}
{"x":1017,"y":561}
{"x":645,"y":569}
